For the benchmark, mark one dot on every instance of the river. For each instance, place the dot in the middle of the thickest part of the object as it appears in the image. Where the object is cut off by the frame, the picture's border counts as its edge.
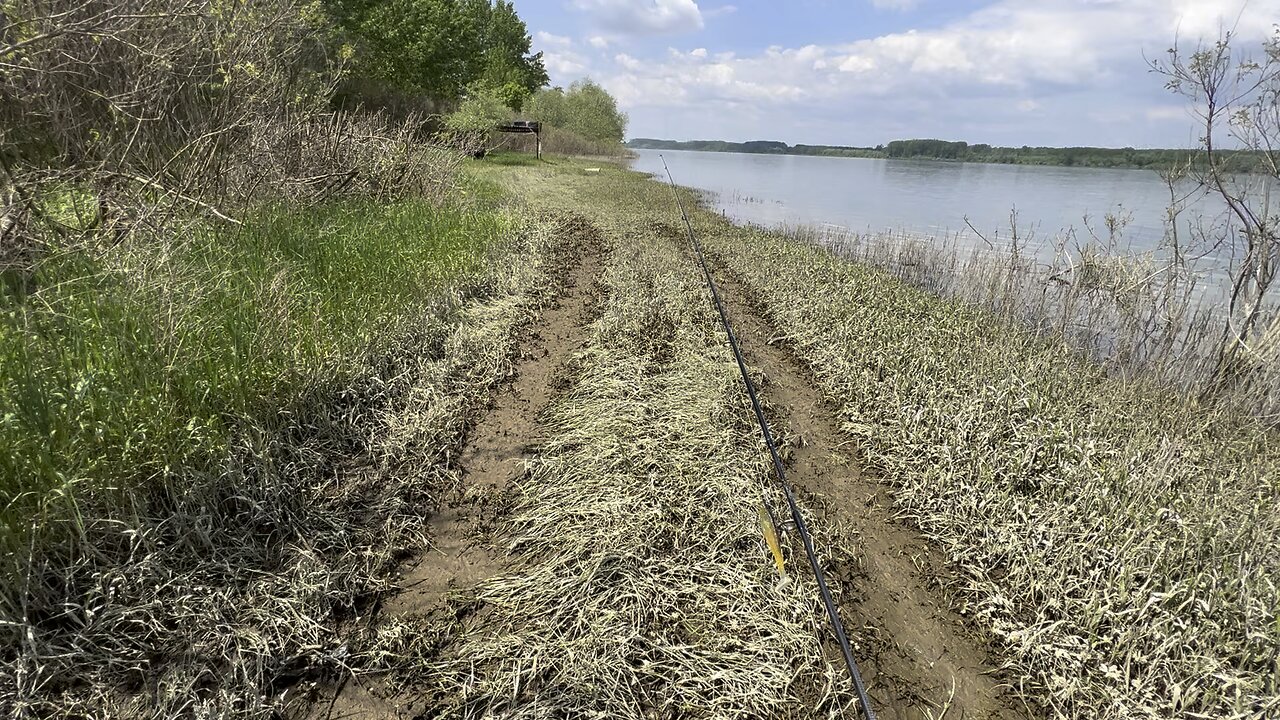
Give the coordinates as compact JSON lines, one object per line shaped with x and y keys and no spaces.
{"x":928,"y":197}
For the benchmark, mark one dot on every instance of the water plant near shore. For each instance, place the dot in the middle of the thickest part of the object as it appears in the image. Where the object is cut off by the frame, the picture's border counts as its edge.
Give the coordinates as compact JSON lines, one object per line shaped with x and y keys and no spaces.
{"x":1155,"y":316}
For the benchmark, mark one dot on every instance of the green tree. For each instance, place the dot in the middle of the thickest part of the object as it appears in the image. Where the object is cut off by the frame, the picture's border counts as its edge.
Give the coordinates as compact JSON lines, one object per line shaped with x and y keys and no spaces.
{"x":470,"y":126}
{"x":509,"y":66}
{"x":548,"y":106}
{"x":585,"y":109}
{"x":438,"y":48}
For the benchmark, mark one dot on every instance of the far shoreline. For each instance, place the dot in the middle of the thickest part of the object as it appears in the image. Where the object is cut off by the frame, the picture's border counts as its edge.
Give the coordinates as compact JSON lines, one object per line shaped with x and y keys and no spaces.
{"x":1098,"y":158}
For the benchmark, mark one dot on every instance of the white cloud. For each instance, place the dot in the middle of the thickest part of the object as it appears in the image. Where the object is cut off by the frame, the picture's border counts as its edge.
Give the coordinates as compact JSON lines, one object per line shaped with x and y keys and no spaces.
{"x":598,"y":42}
{"x":558,"y":55}
{"x":651,"y":17}
{"x":627,"y":61}
{"x":1053,"y":45}
{"x":1161,"y":113}
{"x":1066,"y":71}
{"x":719,"y":11}
{"x":560,"y":65}
{"x":549,"y":40}
{"x":895,"y":4}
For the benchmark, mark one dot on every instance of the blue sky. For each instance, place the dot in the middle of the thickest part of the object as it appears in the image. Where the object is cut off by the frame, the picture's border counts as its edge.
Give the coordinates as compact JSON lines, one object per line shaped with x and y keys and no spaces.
{"x":863,"y":72}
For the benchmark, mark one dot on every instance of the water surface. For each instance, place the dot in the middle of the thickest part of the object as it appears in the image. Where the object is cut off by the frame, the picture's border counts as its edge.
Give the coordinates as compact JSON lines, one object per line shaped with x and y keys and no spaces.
{"x":925,"y":197}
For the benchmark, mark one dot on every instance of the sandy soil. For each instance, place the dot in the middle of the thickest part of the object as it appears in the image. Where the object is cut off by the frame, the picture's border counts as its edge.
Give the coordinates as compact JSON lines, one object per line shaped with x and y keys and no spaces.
{"x":463,"y":552}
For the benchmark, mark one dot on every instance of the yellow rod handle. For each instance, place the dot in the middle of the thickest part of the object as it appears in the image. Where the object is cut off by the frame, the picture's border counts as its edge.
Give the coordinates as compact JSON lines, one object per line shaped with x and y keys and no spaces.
{"x":771,"y":537}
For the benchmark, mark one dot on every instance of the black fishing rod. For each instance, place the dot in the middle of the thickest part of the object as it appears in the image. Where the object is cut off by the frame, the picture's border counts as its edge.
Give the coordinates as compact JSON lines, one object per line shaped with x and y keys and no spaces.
{"x":796,"y":518}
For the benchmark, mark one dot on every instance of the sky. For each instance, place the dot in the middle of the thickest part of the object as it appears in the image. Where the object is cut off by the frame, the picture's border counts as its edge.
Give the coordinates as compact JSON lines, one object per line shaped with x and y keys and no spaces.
{"x":864,"y":72}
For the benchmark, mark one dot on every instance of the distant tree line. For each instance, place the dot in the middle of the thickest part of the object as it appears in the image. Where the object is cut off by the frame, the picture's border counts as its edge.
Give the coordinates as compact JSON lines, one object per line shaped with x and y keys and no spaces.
{"x":766,"y":147}
{"x":1027,"y":155}
{"x":932,"y":149}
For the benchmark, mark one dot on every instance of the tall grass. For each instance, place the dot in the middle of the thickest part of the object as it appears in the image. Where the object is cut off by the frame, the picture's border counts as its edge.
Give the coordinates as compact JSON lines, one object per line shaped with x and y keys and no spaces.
{"x":126,"y":368}
{"x":245,"y":432}
{"x":1155,"y":315}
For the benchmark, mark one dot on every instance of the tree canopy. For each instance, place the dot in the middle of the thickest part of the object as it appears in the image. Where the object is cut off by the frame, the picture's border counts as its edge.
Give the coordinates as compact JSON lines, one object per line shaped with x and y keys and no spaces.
{"x":438,"y":48}
{"x":585,"y":109}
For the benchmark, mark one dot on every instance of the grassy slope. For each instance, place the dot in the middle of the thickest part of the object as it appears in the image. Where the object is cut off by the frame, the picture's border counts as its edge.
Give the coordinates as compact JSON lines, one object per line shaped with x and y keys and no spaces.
{"x":324,"y":367}
{"x":1118,"y":541}
{"x":136,"y":364}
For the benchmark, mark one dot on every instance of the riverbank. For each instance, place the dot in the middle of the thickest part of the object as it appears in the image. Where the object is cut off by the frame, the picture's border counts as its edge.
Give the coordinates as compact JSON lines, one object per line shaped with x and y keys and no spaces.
{"x":1111,"y":539}
{"x":540,"y":496}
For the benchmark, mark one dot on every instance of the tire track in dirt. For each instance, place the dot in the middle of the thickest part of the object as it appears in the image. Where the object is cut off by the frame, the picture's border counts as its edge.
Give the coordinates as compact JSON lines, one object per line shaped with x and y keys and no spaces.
{"x":925,"y":661}
{"x":462,"y":554}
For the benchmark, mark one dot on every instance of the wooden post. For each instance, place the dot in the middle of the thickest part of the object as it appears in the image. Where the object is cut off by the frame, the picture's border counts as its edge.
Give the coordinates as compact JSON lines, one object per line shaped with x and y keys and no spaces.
{"x":537,"y":136}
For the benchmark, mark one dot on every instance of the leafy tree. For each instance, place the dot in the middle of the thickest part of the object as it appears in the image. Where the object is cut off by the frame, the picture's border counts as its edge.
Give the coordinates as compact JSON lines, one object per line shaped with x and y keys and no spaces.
{"x":470,"y":126}
{"x":438,"y":48}
{"x":585,"y":109}
{"x":509,"y":67}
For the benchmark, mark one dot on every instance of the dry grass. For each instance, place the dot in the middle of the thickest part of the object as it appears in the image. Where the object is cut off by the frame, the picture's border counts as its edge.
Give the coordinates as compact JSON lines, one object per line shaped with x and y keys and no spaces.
{"x":1117,"y":538}
{"x":1155,"y":315}
{"x":639,"y":582}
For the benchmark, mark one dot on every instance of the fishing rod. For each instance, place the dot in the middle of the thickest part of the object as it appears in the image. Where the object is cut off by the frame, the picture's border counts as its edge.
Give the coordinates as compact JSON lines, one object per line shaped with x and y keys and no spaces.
{"x":797,"y":519}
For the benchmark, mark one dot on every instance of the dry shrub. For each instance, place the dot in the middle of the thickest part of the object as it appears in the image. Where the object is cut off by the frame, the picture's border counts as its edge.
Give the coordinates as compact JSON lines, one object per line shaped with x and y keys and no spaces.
{"x":316,"y":158}
{"x":120,"y":116}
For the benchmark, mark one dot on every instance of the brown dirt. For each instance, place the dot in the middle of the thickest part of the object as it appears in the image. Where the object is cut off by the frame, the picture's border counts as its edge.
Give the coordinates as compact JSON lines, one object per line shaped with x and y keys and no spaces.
{"x":461,"y":554}
{"x":919,"y":656}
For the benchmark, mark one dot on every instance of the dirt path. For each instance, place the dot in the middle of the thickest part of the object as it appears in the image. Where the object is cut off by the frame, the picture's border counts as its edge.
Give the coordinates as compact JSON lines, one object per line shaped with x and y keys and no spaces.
{"x":462,"y":554}
{"x":924,"y":660}
{"x":497,"y":449}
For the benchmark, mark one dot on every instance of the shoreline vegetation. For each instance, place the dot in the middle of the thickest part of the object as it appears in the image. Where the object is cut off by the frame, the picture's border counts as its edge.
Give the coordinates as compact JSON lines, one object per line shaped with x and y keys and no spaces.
{"x":251,"y":301}
{"x":1091,"y":157}
{"x":1111,"y":532}
{"x":249,"y":328}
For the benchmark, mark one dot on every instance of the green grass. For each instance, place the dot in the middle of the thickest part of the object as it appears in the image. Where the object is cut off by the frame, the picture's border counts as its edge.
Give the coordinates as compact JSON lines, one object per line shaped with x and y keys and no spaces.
{"x":128,"y":365}
{"x":509,"y":158}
